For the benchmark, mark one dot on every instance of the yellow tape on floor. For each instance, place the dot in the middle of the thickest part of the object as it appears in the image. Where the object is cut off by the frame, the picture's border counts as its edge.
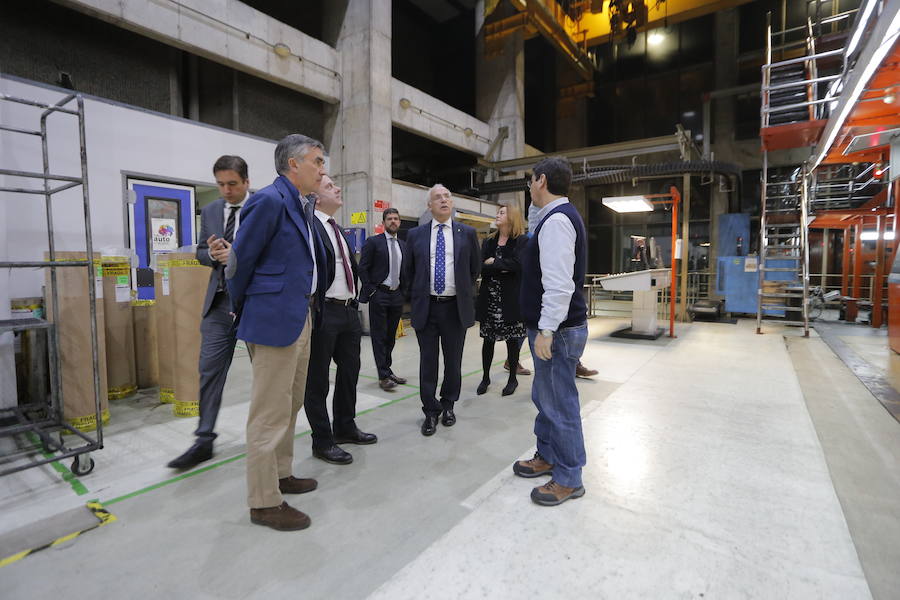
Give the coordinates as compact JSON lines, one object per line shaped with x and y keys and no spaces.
{"x":103,"y":517}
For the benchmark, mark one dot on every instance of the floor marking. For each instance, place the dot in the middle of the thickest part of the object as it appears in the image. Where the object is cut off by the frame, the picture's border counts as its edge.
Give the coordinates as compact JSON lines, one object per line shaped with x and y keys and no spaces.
{"x":67,"y":475}
{"x":103,"y":517}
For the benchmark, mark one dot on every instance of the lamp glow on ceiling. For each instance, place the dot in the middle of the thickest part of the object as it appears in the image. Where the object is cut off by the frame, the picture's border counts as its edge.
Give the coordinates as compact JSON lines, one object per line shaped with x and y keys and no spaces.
{"x":628,"y":204}
{"x":656,"y":38}
{"x":868,"y":236}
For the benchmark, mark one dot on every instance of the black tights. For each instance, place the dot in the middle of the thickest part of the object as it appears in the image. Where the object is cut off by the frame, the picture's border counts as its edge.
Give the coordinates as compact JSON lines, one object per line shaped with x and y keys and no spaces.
{"x":513,"y":346}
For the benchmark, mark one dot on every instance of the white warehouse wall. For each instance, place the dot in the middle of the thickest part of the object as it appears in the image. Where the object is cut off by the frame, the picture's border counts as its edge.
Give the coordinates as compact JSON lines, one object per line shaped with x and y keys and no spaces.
{"x":119,"y":139}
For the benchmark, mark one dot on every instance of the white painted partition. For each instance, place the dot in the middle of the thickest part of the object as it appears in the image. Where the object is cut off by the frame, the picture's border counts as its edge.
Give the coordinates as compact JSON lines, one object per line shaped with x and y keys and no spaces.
{"x":120,"y":140}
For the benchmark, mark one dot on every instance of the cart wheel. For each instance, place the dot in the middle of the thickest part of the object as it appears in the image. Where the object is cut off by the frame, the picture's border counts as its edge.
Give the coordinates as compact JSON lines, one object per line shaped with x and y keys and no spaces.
{"x":82,"y":468}
{"x":49,"y":445}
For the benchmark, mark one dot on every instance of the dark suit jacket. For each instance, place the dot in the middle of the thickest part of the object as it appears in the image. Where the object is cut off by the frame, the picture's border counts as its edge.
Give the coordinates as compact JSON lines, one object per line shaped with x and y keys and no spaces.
{"x":506,"y":270}
{"x":375,"y":264}
{"x":271,"y":266}
{"x":212,"y":221}
{"x":467,"y":265}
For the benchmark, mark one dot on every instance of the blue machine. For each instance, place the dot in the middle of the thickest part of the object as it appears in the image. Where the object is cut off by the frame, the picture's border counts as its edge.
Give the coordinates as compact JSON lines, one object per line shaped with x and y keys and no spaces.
{"x":739,"y":286}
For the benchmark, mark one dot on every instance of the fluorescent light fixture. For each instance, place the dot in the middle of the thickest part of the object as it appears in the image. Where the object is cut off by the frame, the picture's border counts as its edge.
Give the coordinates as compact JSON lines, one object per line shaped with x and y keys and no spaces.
{"x":628,"y":204}
{"x":868,"y":236}
{"x":861,"y":27}
{"x":886,"y":45}
{"x":655,"y":38}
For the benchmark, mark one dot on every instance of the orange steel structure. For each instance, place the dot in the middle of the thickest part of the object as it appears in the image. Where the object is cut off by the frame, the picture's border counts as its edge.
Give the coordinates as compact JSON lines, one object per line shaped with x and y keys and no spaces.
{"x":674,"y":200}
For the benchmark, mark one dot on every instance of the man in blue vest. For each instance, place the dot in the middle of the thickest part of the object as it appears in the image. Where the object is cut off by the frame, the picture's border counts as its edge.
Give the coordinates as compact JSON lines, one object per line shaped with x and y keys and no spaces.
{"x":555,"y":315}
{"x":273,"y":273}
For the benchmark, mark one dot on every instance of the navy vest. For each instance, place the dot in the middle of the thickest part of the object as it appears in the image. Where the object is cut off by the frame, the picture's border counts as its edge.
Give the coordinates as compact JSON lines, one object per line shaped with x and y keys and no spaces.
{"x":533,"y":290}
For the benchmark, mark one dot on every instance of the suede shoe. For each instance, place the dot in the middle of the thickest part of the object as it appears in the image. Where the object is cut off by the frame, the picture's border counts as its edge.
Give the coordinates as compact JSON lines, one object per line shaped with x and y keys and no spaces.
{"x":333,"y":455}
{"x":583,"y":372}
{"x":448,"y":419}
{"x":358,"y":437}
{"x":430,"y":425}
{"x":282,"y":518}
{"x":520,"y":370}
{"x":552,"y":493}
{"x":534,"y":467}
{"x":397,"y":379}
{"x":387,"y":384}
{"x":295,"y":485}
{"x":194,"y":455}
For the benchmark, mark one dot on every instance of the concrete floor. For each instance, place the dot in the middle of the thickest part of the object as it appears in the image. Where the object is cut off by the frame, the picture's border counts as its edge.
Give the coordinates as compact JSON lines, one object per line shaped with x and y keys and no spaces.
{"x":721,"y":464}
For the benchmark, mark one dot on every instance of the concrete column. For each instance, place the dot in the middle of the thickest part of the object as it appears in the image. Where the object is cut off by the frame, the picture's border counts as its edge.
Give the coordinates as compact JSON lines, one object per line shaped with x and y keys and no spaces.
{"x":500,"y":94}
{"x":726,"y":32}
{"x":358,"y":129}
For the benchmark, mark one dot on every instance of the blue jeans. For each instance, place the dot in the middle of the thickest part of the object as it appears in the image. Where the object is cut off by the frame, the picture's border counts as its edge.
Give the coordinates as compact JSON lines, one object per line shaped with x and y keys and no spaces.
{"x":558,"y":422}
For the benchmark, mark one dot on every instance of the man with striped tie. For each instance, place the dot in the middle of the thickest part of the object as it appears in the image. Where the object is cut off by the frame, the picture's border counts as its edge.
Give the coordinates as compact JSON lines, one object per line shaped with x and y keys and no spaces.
{"x":444,"y":262}
{"x":219,"y":221}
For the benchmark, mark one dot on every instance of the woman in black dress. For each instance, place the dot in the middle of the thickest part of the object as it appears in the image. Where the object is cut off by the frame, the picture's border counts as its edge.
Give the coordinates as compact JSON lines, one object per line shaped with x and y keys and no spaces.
{"x":497,"y":308}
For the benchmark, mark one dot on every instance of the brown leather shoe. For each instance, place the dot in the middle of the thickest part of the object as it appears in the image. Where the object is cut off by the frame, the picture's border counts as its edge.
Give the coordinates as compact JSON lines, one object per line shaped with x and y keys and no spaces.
{"x":520,"y":370}
{"x":397,"y":379}
{"x":387,"y":384}
{"x":294,"y":485}
{"x":583,"y":371}
{"x":552,"y":493}
{"x":533,"y":467}
{"x":282,"y":518}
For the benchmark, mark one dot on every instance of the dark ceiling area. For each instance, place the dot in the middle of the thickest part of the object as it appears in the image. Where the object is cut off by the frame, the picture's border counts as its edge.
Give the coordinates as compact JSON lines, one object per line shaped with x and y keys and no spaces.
{"x":419,"y":160}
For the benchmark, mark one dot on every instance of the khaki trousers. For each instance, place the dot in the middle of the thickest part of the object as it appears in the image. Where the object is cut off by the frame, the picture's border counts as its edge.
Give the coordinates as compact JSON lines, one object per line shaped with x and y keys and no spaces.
{"x":279,"y":385}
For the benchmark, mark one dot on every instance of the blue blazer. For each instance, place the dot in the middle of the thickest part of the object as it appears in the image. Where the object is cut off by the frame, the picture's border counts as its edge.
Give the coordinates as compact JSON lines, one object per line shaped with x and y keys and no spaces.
{"x":467,"y":266}
{"x":271,"y":268}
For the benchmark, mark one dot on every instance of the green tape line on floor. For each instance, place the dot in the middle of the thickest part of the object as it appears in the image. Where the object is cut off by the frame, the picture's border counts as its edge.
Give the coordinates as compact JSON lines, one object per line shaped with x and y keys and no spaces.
{"x":232,"y":459}
{"x":67,"y":475}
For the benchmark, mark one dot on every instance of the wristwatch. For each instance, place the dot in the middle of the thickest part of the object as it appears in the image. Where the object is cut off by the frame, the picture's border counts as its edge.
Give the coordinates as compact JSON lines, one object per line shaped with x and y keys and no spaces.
{"x":547,"y":333}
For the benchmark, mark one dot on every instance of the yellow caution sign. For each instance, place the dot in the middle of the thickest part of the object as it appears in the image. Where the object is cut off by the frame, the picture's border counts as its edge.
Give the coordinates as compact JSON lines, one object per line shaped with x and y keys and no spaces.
{"x":358,"y":218}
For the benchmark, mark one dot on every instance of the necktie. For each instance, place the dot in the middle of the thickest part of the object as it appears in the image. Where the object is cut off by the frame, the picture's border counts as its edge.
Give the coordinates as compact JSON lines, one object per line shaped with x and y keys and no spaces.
{"x":229,"y":227}
{"x":348,"y":275}
{"x":394,"y":280}
{"x":309,"y":207}
{"x":440,"y":249}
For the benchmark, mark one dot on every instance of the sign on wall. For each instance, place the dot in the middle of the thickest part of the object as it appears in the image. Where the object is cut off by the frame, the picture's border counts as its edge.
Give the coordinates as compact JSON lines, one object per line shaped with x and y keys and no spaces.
{"x":164,"y":235}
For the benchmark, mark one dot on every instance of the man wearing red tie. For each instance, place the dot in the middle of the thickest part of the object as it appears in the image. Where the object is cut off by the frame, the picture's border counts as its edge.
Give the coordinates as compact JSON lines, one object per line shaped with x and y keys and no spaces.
{"x":336,"y":335}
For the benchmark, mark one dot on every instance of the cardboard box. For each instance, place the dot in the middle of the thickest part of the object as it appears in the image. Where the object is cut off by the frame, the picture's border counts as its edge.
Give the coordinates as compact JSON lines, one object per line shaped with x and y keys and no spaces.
{"x":165,"y":338}
{"x":74,"y":335}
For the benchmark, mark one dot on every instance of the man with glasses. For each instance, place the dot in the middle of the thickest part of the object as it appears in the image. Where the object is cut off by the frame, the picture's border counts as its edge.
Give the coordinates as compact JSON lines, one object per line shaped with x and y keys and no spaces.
{"x":555,"y":315}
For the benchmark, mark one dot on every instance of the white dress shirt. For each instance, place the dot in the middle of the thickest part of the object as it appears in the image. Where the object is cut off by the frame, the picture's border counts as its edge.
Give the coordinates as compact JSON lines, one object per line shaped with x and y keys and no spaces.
{"x":338,"y":288}
{"x":557,"y":243}
{"x":390,"y":245}
{"x":449,"y":271}
{"x":237,"y":219}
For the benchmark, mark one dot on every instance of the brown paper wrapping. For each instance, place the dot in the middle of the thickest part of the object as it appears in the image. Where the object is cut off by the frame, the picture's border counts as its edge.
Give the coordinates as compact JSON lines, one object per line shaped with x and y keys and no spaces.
{"x":188,"y":280}
{"x":165,"y":336}
{"x":146,"y":358}
{"x":74,"y":334}
{"x":121,"y":375}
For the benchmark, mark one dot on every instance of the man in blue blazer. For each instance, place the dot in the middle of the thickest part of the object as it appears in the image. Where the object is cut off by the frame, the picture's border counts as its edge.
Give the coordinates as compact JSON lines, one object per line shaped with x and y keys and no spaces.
{"x":219,"y":221}
{"x":444,"y":262}
{"x":273,"y":276}
{"x":381,"y":272}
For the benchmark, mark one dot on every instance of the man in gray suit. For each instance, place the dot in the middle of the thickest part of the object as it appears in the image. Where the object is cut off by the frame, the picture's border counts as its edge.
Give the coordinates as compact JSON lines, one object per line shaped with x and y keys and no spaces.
{"x":219,"y":222}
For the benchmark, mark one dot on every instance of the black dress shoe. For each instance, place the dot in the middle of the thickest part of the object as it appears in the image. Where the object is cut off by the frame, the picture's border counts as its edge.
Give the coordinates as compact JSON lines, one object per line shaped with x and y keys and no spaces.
{"x":397,"y":379}
{"x":333,"y":455}
{"x":195,"y":455}
{"x":430,"y":425}
{"x":448,"y":419}
{"x":510,"y":388}
{"x":358,"y":437}
{"x":387,"y":384}
{"x":483,"y":386}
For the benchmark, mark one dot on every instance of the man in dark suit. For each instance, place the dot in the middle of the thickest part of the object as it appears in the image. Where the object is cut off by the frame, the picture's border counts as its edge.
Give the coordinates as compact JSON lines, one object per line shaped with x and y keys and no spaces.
{"x":336,"y":335}
{"x":444,"y":262}
{"x":272,"y":277}
{"x":219,"y":221}
{"x":381,"y":272}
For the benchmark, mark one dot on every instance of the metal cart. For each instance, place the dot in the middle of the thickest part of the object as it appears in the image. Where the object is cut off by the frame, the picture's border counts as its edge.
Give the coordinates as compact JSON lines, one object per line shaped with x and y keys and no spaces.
{"x":37,"y":427}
